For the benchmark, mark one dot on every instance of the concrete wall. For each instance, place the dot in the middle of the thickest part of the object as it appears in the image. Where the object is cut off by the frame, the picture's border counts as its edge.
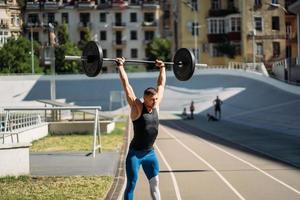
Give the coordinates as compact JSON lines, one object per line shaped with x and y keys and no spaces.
{"x":14,"y":159}
{"x":80,"y":127}
{"x":27,"y":135}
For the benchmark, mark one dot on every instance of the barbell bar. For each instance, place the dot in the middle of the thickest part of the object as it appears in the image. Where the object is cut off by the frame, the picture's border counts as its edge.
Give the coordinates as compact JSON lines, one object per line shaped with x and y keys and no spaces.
{"x":92,"y":60}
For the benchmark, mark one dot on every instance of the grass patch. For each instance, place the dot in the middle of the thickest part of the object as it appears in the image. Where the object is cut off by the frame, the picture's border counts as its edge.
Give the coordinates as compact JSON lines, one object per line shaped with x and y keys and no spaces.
{"x":74,"y":187}
{"x":80,"y":142}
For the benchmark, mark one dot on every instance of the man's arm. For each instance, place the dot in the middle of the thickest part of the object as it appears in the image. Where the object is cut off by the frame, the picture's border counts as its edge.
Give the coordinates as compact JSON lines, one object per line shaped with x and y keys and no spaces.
{"x":125,"y":82}
{"x":161,"y":81}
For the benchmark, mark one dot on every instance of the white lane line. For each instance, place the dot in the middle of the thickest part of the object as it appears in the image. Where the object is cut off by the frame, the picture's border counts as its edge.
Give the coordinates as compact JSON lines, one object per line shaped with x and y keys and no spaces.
{"x":177,"y":191}
{"x":248,"y":163}
{"x":209,"y":165}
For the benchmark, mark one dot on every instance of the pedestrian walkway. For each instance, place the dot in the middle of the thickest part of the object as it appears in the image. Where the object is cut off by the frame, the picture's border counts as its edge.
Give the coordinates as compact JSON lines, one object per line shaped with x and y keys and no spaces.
{"x":73,"y":164}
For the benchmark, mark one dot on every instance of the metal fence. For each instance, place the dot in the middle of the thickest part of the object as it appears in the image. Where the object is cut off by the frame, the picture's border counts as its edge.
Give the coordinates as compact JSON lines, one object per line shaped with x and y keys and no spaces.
{"x":15,"y":119}
{"x":18,"y":121}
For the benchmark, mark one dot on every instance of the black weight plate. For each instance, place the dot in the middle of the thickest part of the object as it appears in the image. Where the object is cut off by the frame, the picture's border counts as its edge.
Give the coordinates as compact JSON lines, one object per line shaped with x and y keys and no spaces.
{"x":93,"y":59}
{"x":184,"y":64}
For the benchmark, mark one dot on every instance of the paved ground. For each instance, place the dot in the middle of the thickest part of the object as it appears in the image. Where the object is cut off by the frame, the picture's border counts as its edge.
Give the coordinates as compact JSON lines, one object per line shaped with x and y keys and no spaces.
{"x":260,"y":125}
{"x":221,"y":160}
{"x":73,"y":164}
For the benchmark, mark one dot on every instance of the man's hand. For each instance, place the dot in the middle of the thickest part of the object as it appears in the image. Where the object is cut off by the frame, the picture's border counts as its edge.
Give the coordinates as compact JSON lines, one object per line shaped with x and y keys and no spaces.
{"x":159,"y":63}
{"x":120,"y":61}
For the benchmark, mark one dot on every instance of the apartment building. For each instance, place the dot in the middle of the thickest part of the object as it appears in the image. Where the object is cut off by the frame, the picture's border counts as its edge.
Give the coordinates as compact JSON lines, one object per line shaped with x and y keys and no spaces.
{"x":10,"y":20}
{"x":221,"y":31}
{"x":122,"y":27}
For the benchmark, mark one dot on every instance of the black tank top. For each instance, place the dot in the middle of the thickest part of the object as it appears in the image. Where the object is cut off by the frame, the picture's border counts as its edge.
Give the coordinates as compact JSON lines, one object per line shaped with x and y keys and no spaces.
{"x":145,"y":130}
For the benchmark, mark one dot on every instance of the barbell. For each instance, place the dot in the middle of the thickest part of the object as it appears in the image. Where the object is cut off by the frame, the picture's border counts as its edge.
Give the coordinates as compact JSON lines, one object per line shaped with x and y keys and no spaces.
{"x":92,"y":61}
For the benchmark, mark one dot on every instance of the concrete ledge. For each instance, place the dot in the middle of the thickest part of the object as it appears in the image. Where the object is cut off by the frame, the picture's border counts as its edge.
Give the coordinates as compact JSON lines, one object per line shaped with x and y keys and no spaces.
{"x":14,"y":159}
{"x":80,"y":127}
{"x":26,"y":135}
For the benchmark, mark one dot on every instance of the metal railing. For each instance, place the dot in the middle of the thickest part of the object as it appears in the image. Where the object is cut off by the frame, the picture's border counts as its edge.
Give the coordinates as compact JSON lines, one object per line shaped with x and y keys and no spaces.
{"x":250,"y":67}
{"x":16,"y":119}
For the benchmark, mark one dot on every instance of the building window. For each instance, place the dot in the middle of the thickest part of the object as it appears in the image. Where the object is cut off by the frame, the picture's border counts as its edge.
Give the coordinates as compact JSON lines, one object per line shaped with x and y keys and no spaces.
{"x":104,"y":52}
{"x":259,"y":49}
{"x":276,"y":49}
{"x":84,"y":18}
{"x":230,"y":4}
{"x":133,"y":35}
{"x":149,"y":35}
{"x":133,"y":17}
{"x":235,"y":24}
{"x":274,"y":1}
{"x":194,"y":5}
{"x":51,"y":17}
{"x":102,"y":17}
{"x":289,"y":30}
{"x":119,"y":53}
{"x":33,"y":18}
{"x":216,"y":26}
{"x":102,"y":35}
{"x":215,"y":51}
{"x":258,"y":23}
{"x":3,"y":37}
{"x":195,"y":28}
{"x":134,"y":53}
{"x":149,"y":17}
{"x":215,"y":4}
{"x":275,"y":23}
{"x":65,"y":18}
{"x":257,"y":3}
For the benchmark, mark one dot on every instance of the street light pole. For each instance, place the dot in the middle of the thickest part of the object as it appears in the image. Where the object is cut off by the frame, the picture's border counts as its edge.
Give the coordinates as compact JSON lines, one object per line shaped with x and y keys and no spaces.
{"x":195,"y":27}
{"x":32,"y":52}
{"x":253,"y":37}
{"x":195,"y":36}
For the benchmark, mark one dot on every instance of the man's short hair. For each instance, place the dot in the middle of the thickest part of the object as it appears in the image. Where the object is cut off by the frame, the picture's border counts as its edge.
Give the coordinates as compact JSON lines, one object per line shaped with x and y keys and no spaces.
{"x":150,"y":91}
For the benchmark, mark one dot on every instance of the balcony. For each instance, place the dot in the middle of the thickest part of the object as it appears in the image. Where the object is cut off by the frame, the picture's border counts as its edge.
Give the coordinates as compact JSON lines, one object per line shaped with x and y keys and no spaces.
{"x":234,"y":36}
{"x":31,"y":5}
{"x":51,"y":5}
{"x":217,"y":38}
{"x":4,"y":25}
{"x":86,"y":5}
{"x":267,"y":37}
{"x":118,"y":25}
{"x":119,"y":43}
{"x":119,"y":4}
{"x":149,"y":25}
{"x":134,"y":3}
{"x":105,"y":5}
{"x":150,"y":4}
{"x":222,"y":12}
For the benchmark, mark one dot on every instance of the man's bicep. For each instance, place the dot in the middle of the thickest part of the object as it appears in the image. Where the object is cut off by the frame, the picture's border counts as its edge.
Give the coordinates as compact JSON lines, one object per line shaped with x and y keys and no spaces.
{"x":130,"y":96}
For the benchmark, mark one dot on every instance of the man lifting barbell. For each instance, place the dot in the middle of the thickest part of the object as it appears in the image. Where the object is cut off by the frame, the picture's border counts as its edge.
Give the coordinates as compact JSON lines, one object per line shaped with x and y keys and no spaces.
{"x":92,"y":60}
{"x":144,"y":116}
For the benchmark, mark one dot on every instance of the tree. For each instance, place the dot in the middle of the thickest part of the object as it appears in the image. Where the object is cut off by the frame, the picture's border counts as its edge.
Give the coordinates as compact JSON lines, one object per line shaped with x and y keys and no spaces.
{"x":158,"y":48}
{"x":86,"y":37}
{"x":65,"y":47}
{"x":62,"y":34}
{"x":15,"y":56}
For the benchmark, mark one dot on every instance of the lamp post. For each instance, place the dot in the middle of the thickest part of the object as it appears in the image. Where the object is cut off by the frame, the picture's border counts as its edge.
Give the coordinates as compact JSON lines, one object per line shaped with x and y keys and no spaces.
{"x":253,"y":38}
{"x":195,"y":27}
{"x":32,"y":52}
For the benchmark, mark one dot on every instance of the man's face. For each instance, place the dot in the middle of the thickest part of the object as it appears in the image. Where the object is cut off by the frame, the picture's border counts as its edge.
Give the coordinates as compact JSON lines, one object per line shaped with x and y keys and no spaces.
{"x":150,"y":100}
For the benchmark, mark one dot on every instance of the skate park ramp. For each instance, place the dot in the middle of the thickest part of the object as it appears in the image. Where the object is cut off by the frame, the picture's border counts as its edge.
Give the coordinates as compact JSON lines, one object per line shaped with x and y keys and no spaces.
{"x":248,"y":98}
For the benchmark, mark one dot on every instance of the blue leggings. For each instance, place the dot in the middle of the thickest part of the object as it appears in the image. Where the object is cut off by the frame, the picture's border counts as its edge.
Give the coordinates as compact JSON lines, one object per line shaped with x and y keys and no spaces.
{"x":134,"y":160}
